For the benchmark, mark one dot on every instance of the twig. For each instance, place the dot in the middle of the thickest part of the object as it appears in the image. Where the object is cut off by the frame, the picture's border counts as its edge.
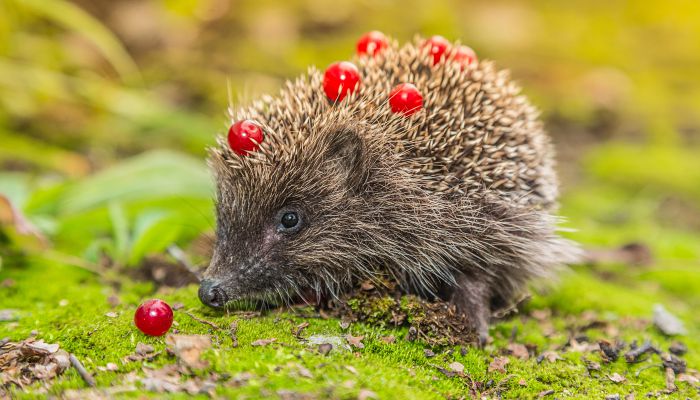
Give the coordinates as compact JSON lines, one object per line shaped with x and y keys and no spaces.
{"x":233,"y":329}
{"x":634,"y":354}
{"x":203,"y":321}
{"x":89,"y":379}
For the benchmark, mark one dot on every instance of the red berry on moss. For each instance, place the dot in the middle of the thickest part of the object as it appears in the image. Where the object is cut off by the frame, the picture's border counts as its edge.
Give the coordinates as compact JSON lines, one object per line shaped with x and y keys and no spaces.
{"x":405,"y":99}
{"x":437,"y":46}
{"x":464,"y":55}
{"x":340,"y":79}
{"x":154,"y":317}
{"x":245,"y":136}
{"x":371,"y":43}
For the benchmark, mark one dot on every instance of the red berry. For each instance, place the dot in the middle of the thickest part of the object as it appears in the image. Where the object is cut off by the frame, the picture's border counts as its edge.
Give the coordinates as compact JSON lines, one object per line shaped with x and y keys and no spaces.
{"x":245,"y":136}
{"x":437,"y":46}
{"x":154,"y":317}
{"x":371,"y":43}
{"x":340,"y":79}
{"x":406,"y":99}
{"x":464,"y":55}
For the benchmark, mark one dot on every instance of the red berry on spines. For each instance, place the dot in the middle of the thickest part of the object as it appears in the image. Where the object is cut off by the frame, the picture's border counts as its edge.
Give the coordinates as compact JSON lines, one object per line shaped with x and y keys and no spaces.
{"x":405,"y":99}
{"x":464,"y":55}
{"x":245,"y":136}
{"x":437,"y":47}
{"x":340,"y":79}
{"x":154,"y":317}
{"x":372,"y":43}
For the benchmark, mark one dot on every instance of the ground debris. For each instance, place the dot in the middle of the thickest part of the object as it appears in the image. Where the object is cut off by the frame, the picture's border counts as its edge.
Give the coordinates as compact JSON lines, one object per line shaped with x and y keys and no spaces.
{"x":635,"y":353}
{"x":435,"y":323}
{"x":168,"y":379}
{"x":29,"y":361}
{"x":666,"y":322}
{"x":188,"y":349}
{"x":499,"y":364}
{"x":617,"y":378}
{"x":609,"y":352}
{"x":263,"y":342}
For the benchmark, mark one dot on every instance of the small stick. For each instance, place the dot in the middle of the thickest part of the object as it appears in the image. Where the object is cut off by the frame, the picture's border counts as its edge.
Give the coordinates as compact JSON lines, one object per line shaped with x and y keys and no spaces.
{"x":89,"y":379}
{"x":634,"y":354}
{"x":233,"y":329}
{"x":203,"y":321}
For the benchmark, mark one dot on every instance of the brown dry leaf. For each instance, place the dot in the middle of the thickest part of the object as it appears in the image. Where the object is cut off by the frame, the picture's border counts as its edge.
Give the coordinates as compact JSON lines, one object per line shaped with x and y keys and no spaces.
{"x":299,"y":329}
{"x":457,"y":367}
{"x":14,"y":218}
{"x":8,"y":315}
{"x":355,"y":341}
{"x":366,"y":394}
{"x":518,"y":350}
{"x":551,"y":356}
{"x":188,"y":349}
{"x":325,"y":348}
{"x":428,"y":353}
{"x":305,"y":373}
{"x":29,"y":361}
{"x":693,"y":380}
{"x":499,"y":364}
{"x":263,"y":342}
{"x":351,"y":369}
{"x":617,"y":378}
{"x":388,"y":339}
{"x":143,"y":349}
{"x":545,"y":393}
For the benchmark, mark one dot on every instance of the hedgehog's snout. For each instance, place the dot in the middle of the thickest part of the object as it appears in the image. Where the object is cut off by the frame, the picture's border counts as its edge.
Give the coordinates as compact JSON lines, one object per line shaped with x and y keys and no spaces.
{"x":211,"y":294}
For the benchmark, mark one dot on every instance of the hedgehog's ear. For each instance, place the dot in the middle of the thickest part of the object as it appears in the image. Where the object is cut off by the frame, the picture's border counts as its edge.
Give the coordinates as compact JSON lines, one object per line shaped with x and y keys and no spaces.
{"x":345,"y":155}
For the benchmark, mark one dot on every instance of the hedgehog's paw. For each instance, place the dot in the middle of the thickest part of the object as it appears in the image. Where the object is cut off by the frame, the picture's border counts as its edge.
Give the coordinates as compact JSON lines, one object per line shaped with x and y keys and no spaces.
{"x":472,"y":298}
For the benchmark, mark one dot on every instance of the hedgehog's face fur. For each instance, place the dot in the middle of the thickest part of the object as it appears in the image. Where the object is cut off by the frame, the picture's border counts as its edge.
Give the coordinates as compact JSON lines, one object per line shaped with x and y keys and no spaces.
{"x":285,"y":230}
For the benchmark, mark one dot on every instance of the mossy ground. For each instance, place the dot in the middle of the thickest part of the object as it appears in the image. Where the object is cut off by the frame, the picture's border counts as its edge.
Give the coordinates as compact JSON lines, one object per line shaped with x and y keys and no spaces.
{"x":610,"y":214}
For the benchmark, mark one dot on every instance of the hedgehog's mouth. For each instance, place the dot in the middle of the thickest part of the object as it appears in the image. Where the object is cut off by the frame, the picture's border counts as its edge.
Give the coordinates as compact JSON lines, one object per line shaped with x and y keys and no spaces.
{"x":271,"y":299}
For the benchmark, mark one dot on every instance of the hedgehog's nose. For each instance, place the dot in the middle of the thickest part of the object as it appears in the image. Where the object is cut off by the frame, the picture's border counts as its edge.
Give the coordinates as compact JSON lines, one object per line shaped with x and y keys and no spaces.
{"x":211,"y":294}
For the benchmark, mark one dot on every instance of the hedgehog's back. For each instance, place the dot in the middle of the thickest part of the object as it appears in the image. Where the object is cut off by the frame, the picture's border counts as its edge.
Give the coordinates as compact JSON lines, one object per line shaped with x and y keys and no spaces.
{"x":474,"y":133}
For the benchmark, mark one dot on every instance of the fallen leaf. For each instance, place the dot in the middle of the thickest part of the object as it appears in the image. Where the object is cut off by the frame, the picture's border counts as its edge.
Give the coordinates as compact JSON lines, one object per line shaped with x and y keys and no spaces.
{"x":388,"y":339}
{"x":518,"y":350}
{"x":428,"y":353}
{"x":351,"y":369}
{"x":8,"y":315}
{"x":666,"y":322}
{"x":299,"y":329}
{"x":499,"y":364}
{"x":144,"y":349}
{"x":457,"y":367}
{"x":366,"y":394}
{"x":617,"y":378}
{"x":545,"y":393}
{"x":263,"y":342}
{"x":325,"y":348}
{"x":355,"y":341}
{"x":522,"y":382}
{"x":303,"y":372}
{"x":111,"y":314}
{"x":551,"y":356}
{"x":188,"y":349}
{"x":688,"y":378}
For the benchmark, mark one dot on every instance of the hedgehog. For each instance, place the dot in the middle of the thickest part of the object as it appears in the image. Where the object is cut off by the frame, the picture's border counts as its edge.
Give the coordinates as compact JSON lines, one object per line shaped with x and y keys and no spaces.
{"x":431,"y":170}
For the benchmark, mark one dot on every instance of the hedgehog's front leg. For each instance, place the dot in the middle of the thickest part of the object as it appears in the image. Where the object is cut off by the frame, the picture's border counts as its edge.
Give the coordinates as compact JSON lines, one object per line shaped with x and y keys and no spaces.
{"x":472,"y":297}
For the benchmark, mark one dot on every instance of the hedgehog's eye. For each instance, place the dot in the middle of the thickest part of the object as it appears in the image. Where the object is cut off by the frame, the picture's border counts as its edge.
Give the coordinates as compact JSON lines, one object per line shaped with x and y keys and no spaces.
{"x":290,"y":220}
